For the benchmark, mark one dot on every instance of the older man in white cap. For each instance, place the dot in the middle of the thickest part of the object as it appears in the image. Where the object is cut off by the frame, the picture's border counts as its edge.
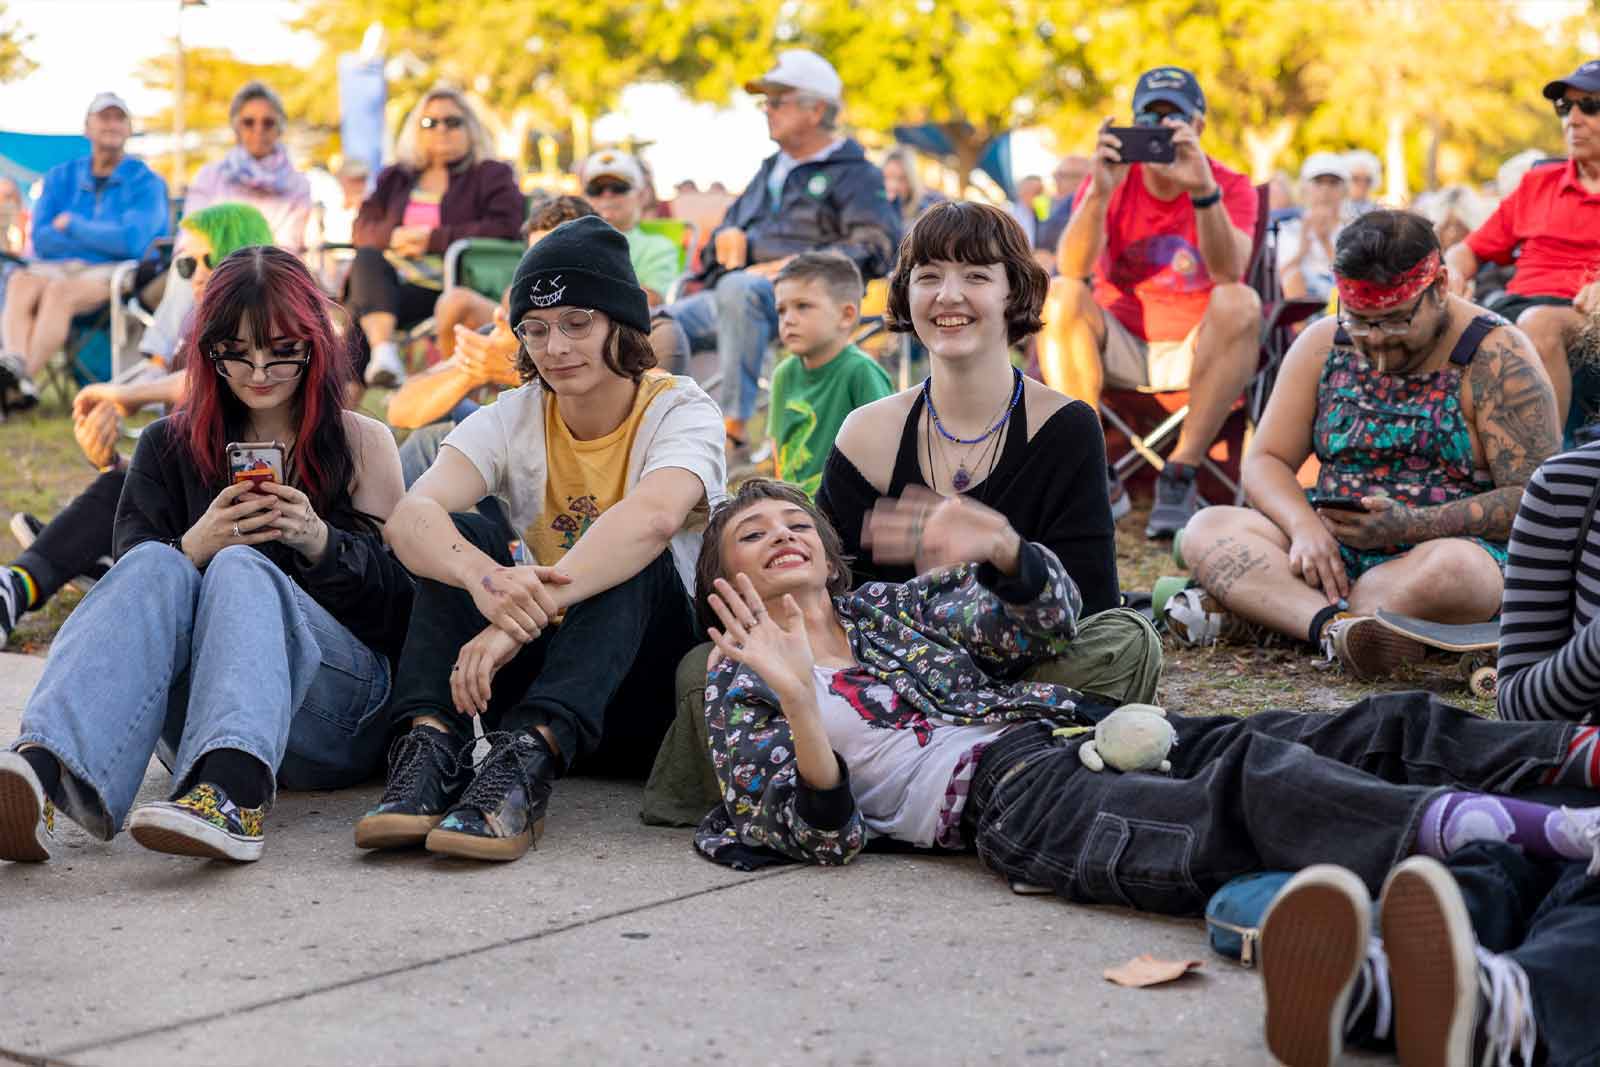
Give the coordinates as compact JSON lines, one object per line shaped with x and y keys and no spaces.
{"x":1305,"y":244}
{"x":93,"y":212}
{"x":817,"y":192}
{"x":614,"y":182}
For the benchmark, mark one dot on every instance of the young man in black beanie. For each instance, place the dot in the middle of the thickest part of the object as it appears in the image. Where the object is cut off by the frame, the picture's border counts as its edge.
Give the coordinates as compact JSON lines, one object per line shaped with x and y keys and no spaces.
{"x":562,"y":644}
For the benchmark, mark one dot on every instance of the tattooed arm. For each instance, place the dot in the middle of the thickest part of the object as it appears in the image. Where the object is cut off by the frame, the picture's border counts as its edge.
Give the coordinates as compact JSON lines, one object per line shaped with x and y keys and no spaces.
{"x":1514,"y":416}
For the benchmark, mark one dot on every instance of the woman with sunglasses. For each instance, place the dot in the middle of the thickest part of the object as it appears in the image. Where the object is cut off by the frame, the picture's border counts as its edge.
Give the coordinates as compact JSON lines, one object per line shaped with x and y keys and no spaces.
{"x":247,"y":628}
{"x":257,"y":171}
{"x":606,"y":466}
{"x":443,"y":187}
{"x":76,"y":545}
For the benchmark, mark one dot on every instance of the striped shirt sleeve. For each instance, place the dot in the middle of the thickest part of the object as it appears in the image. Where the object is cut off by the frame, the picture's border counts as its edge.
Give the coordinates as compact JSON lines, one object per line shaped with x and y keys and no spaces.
{"x":1549,"y":661}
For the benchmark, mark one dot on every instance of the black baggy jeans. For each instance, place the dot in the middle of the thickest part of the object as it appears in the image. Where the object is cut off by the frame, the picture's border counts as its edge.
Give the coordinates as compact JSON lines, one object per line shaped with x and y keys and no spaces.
{"x":601,"y":681}
{"x":1546,"y":916}
{"x":1277,"y":790}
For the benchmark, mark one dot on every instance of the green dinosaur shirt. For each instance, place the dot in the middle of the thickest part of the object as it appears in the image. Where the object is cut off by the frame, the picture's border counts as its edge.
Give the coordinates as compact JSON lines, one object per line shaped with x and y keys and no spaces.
{"x":809,"y":406}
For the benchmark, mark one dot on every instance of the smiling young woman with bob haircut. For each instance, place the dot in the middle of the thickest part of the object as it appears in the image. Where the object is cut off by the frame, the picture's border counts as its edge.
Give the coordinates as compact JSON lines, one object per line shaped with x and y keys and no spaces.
{"x":246,"y":629}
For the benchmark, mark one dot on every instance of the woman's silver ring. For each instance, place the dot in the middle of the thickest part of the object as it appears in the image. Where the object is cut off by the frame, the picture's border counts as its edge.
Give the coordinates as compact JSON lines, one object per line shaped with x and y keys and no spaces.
{"x":236,"y":532}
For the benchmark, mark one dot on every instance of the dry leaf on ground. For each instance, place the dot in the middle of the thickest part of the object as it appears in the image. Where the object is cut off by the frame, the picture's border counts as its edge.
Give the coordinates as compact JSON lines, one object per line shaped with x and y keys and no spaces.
{"x":1147,"y":970}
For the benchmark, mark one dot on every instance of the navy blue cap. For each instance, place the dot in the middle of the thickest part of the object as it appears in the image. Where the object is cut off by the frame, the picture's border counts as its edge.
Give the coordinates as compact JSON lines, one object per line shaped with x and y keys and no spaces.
{"x":1175,"y":85}
{"x":1586,"y":77}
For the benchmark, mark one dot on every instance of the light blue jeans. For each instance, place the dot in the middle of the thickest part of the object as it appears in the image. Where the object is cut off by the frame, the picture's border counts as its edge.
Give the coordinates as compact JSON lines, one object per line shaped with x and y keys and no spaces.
{"x":237,"y":656}
{"x":738,"y":317}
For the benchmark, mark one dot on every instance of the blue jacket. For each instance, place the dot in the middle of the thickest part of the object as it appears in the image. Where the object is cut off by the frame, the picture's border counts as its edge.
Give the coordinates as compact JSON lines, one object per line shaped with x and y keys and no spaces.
{"x":835,"y":204}
{"x":118,"y":222}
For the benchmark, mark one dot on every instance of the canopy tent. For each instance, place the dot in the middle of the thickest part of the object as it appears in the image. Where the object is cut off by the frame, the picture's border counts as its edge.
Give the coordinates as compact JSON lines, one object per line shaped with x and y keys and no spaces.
{"x":26,"y":156}
{"x":994,"y":160}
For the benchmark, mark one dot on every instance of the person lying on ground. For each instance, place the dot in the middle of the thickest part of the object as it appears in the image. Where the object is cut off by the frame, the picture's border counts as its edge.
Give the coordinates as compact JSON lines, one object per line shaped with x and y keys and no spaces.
{"x":606,"y":468}
{"x":1427,"y":415}
{"x":76,"y":545}
{"x":1485,"y":958}
{"x":976,"y":429}
{"x":901,"y":711}
{"x":248,"y":629}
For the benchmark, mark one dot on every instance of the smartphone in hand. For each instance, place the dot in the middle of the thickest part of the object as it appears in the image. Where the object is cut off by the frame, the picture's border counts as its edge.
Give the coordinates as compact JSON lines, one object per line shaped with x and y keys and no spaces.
{"x":1336,"y":503}
{"x":255,"y":461}
{"x":1144,"y":144}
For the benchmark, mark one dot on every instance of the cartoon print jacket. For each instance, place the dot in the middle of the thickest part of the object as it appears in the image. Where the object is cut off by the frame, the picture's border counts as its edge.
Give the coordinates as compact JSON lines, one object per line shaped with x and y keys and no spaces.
{"x":951,"y":645}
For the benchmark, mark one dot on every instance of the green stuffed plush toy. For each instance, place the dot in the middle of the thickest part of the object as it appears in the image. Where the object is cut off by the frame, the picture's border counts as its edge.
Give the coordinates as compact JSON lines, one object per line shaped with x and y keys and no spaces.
{"x":1135,"y":737}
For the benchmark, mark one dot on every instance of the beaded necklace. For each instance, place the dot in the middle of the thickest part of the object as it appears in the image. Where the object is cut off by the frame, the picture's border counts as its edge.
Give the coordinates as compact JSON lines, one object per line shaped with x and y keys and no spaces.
{"x":963,"y":477}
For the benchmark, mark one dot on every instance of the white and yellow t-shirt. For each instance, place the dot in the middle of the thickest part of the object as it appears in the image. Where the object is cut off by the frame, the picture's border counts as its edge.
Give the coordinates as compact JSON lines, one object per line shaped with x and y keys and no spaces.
{"x":584,"y":478}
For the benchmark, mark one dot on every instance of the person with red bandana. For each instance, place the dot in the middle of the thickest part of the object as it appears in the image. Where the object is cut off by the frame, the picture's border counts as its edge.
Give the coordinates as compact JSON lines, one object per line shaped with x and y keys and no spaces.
{"x":1427,"y":415}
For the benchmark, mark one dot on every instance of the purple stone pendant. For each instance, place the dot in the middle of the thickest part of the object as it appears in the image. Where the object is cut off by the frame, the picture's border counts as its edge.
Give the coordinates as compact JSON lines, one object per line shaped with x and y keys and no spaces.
{"x":961,"y":480}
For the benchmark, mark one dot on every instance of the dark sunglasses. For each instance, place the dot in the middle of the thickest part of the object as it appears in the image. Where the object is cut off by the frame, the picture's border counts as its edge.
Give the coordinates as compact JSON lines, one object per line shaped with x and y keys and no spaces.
{"x":1589,"y":105}
{"x":267,"y":123}
{"x":186,"y":265}
{"x":603,"y":187}
{"x":449,"y":122}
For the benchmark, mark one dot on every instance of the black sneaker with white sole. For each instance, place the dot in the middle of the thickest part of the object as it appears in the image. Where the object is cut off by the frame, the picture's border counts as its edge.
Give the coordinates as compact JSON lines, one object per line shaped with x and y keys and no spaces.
{"x":17,"y":391}
{"x":13,"y":603}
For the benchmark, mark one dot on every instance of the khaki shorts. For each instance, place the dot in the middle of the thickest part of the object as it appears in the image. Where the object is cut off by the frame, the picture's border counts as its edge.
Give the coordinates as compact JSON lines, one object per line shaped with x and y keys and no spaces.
{"x":57,"y":269}
{"x":1134,"y":363}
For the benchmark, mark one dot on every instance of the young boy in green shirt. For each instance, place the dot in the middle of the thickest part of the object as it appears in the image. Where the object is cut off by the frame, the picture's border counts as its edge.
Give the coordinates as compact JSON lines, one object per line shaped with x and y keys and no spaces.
{"x":827,"y":377}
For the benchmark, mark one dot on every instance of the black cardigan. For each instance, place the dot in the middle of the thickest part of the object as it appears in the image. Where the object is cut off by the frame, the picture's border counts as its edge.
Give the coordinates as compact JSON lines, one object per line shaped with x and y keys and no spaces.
{"x":359,"y":581}
{"x":1053,"y":489}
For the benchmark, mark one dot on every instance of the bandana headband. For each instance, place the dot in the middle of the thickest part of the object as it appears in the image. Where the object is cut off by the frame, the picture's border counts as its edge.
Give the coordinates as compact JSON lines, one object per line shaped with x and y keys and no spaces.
{"x":1375,"y":296}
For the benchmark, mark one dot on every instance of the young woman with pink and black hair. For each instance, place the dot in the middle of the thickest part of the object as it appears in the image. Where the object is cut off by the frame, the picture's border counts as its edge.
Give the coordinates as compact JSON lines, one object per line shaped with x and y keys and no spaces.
{"x":247,"y":632}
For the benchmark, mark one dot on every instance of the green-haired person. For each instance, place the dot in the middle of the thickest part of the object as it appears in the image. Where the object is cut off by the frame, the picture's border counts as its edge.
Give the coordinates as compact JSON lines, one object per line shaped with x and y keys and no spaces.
{"x":76,"y":546}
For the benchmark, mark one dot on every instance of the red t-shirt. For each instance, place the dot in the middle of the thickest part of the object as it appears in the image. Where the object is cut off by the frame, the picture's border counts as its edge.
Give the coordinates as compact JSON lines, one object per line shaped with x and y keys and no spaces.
{"x":1151,"y":275}
{"x":1557,"y":223}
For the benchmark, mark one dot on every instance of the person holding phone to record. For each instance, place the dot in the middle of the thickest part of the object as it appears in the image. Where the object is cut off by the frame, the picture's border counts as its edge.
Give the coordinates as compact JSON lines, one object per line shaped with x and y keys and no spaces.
{"x":1151,"y":292}
{"x":247,"y":631}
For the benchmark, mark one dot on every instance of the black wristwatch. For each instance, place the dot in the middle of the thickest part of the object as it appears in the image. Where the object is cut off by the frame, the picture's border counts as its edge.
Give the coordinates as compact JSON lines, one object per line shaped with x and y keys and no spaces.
{"x":1207,"y":200}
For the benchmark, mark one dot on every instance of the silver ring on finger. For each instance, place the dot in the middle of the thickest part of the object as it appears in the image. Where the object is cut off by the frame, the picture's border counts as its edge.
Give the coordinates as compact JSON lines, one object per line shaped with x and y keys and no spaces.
{"x":236,"y":532}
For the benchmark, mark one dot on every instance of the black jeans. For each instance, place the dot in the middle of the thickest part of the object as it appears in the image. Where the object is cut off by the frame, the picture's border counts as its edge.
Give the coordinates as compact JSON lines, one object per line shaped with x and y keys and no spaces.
{"x":1280,"y":789}
{"x":1546,"y":917}
{"x":601,"y":680}
{"x":374,"y":285}
{"x":75,"y":539}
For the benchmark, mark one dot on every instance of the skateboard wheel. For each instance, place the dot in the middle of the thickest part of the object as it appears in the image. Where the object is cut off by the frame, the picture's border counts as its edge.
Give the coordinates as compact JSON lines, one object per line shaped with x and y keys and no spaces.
{"x":1483,"y":682}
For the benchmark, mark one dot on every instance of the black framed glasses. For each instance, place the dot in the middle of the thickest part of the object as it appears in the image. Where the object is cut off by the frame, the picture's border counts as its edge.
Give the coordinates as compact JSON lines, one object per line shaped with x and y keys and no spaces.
{"x":602,"y":187}
{"x":1387,"y":327}
{"x":288,"y":361}
{"x":449,"y":122}
{"x":1589,"y":105}
{"x":187,"y":265}
{"x":535,"y":333}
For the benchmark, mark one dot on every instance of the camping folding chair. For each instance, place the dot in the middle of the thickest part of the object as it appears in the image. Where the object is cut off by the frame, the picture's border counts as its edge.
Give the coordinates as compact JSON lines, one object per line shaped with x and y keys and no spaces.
{"x":1148,"y":420}
{"x":684,"y":234}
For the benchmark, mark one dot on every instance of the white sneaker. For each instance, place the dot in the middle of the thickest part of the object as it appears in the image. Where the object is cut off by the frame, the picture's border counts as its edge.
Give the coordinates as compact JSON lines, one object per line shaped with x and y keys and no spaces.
{"x":27,"y":818}
{"x":385,"y":369}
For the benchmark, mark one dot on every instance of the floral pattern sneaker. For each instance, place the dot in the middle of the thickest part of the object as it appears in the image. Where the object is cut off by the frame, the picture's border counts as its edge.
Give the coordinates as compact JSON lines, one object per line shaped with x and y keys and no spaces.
{"x":203,"y":822}
{"x":27,"y":818}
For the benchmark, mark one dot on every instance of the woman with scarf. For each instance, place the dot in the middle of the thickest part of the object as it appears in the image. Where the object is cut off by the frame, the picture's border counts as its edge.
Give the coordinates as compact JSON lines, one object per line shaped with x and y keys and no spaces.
{"x":256,"y":171}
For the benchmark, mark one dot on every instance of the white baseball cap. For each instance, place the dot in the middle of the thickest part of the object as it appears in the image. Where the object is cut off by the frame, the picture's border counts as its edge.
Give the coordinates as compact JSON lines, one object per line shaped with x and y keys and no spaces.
{"x":611,"y":163}
{"x":1325,"y":164}
{"x":801,"y":69}
{"x":102,"y":101}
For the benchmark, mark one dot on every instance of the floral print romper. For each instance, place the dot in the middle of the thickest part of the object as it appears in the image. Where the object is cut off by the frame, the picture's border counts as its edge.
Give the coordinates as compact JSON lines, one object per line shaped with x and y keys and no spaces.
{"x":1396,"y":435}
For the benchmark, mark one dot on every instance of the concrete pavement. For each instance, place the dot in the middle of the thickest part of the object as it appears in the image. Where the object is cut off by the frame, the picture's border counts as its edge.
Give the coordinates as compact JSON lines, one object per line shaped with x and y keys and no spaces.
{"x":612,"y":942}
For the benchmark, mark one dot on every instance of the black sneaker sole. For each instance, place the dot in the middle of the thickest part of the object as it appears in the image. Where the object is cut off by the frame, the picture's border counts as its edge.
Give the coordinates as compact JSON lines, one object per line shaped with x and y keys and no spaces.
{"x":1313,"y":939}
{"x":492,"y":849}
{"x":393,"y":830}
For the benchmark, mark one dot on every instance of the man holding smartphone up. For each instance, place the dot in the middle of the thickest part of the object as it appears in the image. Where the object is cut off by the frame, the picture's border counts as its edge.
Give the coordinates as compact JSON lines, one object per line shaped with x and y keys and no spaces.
{"x":1151,"y":291}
